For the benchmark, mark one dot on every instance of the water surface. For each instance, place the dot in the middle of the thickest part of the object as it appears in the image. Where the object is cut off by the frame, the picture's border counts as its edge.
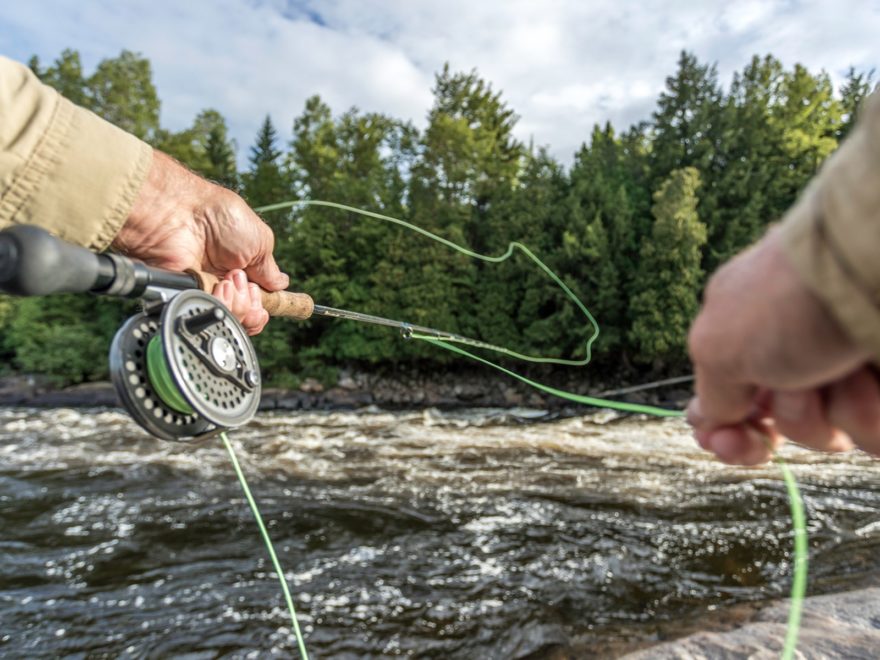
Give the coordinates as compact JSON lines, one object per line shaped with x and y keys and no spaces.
{"x":468,"y":534}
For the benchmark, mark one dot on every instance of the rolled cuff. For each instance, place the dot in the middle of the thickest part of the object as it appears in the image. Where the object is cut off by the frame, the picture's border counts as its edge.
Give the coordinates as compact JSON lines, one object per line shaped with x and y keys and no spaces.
{"x":805,"y":241}
{"x":832,"y":235}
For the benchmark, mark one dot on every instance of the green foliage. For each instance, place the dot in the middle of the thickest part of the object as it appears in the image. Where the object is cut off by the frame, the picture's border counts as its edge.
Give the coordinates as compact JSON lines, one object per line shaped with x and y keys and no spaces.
{"x":65,"y":337}
{"x":669,"y":276}
{"x":204,"y":147}
{"x":852,"y":94}
{"x":7,"y":349}
{"x":266,"y":182}
{"x":632,"y":227}
{"x":65,"y":75}
{"x":121,"y":90}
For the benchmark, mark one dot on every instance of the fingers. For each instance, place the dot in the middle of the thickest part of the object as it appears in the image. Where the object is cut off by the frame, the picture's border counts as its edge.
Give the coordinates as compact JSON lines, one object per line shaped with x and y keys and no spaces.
{"x":743,"y":444}
{"x":720,"y":400}
{"x":802,"y":417}
{"x":242,"y":298}
{"x":264,"y":270}
{"x":747,"y":443}
{"x":724,"y":395}
{"x":854,"y":407}
{"x":267,"y":274}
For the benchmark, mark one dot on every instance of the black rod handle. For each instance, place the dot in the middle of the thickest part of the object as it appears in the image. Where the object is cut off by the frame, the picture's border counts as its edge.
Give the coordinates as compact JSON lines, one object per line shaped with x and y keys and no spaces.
{"x":35,"y":263}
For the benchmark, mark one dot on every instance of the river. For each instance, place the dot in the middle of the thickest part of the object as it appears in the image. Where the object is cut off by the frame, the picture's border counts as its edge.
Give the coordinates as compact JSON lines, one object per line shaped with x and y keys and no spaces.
{"x":465,"y":534}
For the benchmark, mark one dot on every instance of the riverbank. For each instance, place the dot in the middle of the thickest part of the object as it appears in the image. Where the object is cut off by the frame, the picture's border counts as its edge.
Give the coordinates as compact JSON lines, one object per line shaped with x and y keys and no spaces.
{"x":842,"y":625}
{"x":353,"y":390}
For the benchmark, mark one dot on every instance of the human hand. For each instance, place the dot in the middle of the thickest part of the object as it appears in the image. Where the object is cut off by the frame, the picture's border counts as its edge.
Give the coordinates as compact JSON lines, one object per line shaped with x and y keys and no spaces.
{"x":181,"y":221}
{"x":770,"y":361}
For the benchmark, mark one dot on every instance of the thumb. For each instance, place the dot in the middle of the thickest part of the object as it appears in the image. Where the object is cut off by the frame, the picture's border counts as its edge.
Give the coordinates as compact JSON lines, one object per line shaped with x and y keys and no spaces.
{"x":266,"y":273}
{"x":720,"y":401}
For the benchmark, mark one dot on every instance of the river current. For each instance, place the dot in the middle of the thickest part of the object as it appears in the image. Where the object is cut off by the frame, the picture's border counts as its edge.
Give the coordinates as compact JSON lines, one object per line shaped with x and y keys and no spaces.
{"x":467,"y":534}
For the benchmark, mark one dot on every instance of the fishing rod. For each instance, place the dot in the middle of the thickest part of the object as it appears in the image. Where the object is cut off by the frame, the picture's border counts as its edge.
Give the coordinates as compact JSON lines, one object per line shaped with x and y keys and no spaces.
{"x":183,"y":367}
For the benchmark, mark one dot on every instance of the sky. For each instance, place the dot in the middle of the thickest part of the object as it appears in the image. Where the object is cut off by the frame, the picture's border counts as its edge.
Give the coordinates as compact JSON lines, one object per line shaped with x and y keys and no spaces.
{"x":562,"y":65}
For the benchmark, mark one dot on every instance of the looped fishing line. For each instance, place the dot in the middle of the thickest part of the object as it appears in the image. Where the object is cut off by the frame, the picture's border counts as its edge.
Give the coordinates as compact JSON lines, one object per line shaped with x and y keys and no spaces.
{"x":801,"y":550}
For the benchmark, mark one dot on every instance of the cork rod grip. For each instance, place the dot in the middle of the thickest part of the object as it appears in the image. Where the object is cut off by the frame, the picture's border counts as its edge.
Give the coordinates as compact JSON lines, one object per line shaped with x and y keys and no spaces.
{"x":286,"y":304}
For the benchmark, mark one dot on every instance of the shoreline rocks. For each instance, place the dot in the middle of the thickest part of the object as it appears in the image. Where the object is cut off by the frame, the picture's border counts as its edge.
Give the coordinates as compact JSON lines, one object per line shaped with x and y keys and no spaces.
{"x":841,"y":625}
{"x":453,"y":389}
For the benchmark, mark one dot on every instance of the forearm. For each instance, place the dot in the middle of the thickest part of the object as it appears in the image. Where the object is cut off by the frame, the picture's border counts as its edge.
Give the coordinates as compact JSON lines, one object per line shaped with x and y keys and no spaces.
{"x":61,"y":166}
{"x":832,"y":235}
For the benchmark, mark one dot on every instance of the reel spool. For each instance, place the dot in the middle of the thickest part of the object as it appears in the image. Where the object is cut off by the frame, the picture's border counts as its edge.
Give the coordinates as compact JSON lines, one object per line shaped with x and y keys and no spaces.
{"x":186,"y":368}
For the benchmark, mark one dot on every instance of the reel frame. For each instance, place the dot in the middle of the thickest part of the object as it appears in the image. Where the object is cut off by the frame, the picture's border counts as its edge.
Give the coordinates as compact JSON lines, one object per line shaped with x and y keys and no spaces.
{"x":185,"y":368}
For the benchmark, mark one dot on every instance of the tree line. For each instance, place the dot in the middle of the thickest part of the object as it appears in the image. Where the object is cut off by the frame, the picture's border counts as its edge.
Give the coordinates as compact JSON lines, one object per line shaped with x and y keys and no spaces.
{"x":633,"y":227}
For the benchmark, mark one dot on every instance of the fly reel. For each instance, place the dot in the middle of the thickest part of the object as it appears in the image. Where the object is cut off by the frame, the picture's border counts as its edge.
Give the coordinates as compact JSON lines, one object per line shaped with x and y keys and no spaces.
{"x":186,"y":368}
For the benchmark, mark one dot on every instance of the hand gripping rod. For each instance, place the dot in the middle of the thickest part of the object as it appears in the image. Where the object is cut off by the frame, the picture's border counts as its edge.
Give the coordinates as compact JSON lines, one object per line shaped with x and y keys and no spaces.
{"x":35,"y":263}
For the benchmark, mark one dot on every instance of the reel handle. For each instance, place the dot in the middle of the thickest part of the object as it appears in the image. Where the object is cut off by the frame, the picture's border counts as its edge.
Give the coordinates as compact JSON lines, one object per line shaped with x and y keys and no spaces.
{"x":286,"y":304}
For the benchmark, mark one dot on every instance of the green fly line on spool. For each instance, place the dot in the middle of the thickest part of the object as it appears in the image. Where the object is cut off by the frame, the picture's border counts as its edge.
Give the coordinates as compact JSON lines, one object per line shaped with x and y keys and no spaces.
{"x":798,"y":517}
{"x":161,"y":379}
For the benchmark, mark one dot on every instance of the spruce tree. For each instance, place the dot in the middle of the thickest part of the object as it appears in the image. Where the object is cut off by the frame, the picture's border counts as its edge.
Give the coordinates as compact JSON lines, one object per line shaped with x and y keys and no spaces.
{"x":855,"y":89}
{"x":669,"y":276}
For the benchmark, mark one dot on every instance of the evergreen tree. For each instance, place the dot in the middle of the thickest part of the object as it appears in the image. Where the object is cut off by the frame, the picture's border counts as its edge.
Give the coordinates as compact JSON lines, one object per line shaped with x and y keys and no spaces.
{"x":751,"y":186}
{"x":810,"y":118}
{"x":516,"y":304}
{"x":203,"y":147}
{"x":670,"y":275}
{"x":852,"y":93}
{"x":685,"y":122}
{"x":265,"y":182}
{"x":339,"y":255}
{"x":469,"y":160}
{"x":220,"y":154}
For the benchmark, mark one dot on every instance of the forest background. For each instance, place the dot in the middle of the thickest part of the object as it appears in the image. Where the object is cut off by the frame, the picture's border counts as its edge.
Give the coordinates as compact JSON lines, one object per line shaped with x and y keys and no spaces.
{"x":634,"y":226}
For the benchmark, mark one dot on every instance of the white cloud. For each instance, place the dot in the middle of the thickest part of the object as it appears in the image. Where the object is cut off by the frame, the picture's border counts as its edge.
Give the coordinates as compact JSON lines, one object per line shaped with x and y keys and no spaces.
{"x":562,"y":65}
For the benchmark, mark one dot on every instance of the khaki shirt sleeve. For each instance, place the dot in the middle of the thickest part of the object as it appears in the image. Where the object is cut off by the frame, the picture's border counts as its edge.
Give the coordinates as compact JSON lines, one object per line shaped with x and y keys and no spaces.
{"x":832,"y":235}
{"x":62,"y":167}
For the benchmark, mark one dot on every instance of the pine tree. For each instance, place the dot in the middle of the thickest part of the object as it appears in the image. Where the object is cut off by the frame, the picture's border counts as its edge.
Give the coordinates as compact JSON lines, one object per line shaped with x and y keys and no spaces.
{"x":852,"y":93}
{"x":220,"y":153}
{"x":600,"y":247}
{"x":670,"y":276}
{"x":750,"y":186}
{"x":685,"y":125}
{"x":469,"y":162}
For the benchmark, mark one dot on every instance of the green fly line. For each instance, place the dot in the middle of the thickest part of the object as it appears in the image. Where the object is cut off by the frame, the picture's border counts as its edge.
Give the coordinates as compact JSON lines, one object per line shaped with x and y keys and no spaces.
{"x":168,"y":391}
{"x":304,"y":655}
{"x":798,"y":516}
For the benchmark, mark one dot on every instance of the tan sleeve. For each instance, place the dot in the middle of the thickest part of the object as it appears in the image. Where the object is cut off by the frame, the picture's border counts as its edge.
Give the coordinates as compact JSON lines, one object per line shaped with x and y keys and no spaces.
{"x":61,"y":166}
{"x":832,"y":235}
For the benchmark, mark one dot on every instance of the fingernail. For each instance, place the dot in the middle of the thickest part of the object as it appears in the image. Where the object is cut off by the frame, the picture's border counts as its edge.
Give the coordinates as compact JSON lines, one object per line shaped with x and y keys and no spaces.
{"x":240,"y":280}
{"x":790,"y":406}
{"x":222,"y":291}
